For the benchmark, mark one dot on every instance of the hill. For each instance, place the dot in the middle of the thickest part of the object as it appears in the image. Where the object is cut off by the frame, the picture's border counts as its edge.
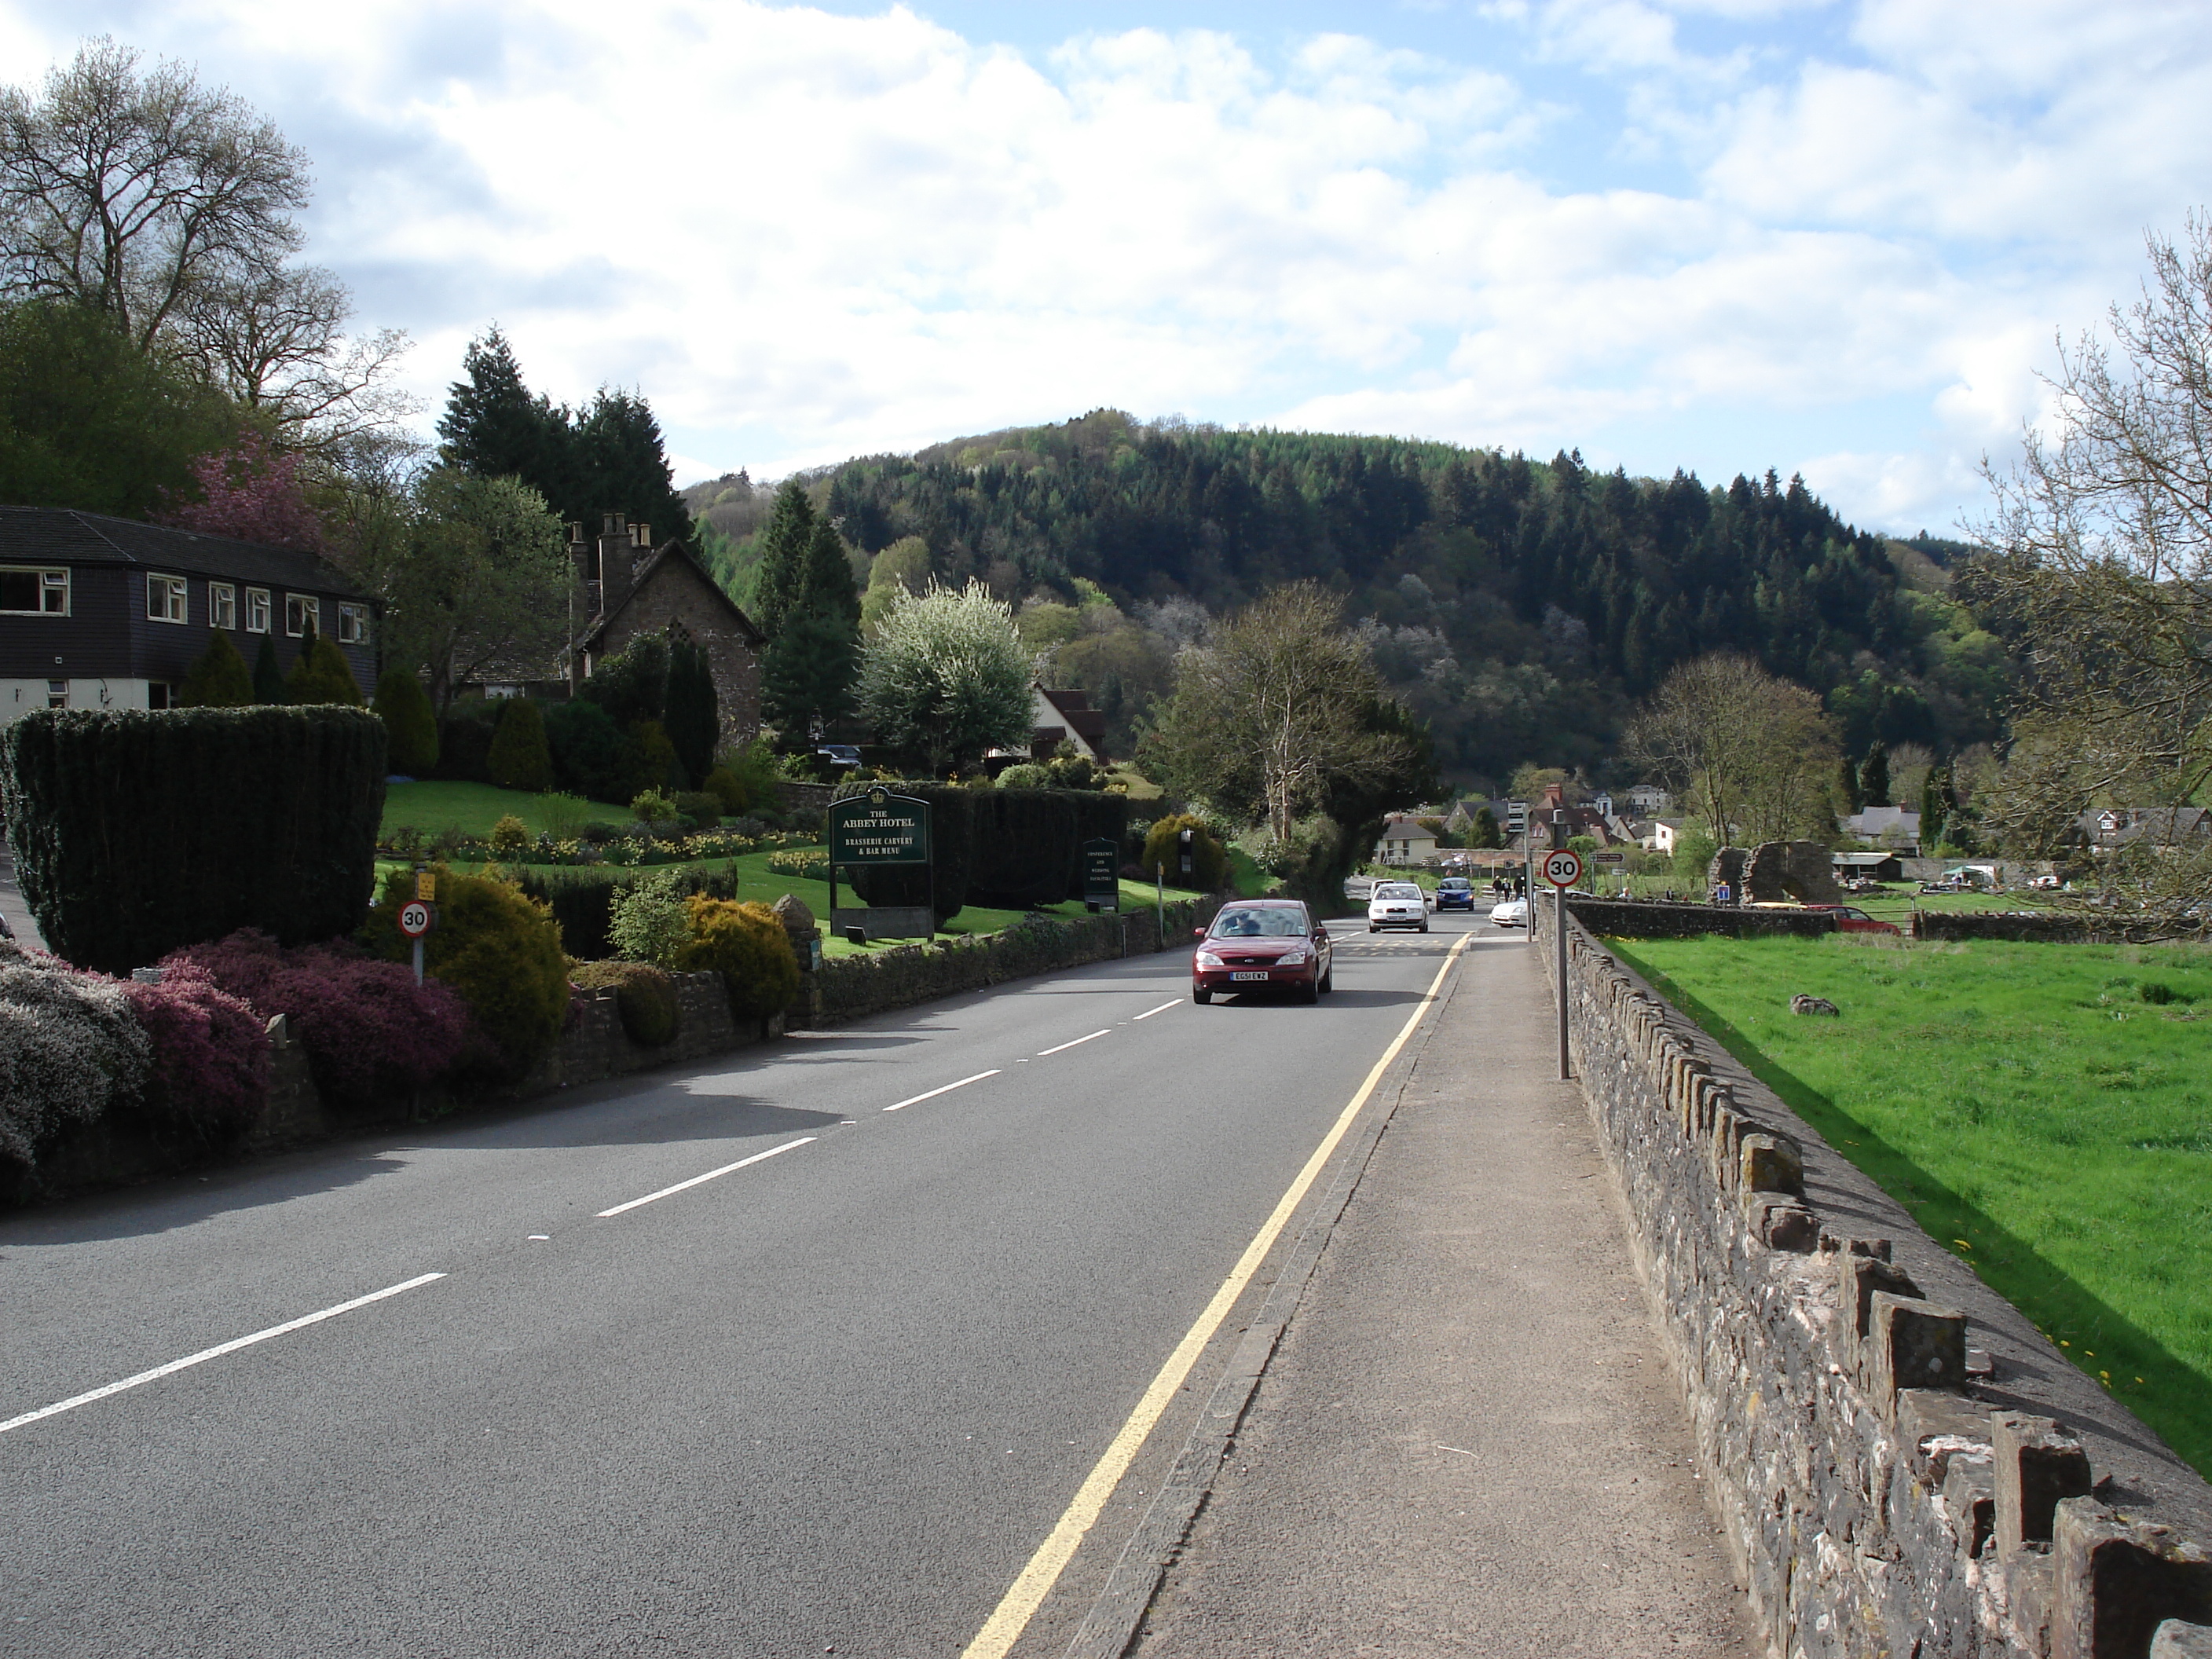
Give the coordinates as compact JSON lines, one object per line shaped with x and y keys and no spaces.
{"x":1523,"y":606}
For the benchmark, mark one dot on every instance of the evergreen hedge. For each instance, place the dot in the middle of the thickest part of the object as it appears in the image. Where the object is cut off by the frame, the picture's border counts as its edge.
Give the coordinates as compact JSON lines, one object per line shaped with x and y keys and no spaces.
{"x":952,"y":848}
{"x":519,"y":758}
{"x":409,"y":721}
{"x":137,"y":833}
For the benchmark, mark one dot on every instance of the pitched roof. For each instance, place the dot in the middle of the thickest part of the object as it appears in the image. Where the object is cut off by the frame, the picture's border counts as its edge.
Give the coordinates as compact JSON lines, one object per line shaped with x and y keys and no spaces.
{"x":670,"y":552}
{"x":64,"y":535}
{"x":1075,"y":709}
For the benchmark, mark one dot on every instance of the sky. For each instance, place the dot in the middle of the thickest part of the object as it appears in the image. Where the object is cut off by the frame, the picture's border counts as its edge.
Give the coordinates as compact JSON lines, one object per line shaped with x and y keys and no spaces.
{"x":1840,"y":238}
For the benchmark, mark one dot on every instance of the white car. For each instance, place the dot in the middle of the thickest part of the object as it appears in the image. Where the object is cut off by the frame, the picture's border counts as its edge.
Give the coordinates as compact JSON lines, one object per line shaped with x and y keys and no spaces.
{"x":1397,"y":904}
{"x":1514,"y":913}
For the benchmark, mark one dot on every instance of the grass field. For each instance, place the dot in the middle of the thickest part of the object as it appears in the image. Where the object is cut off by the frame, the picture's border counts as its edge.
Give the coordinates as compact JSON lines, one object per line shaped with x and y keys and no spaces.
{"x":474,"y":808}
{"x":2032,"y":1109}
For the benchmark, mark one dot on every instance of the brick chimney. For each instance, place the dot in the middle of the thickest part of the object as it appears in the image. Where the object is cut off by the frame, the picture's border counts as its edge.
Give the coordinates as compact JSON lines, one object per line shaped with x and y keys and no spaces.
{"x":618,"y":547}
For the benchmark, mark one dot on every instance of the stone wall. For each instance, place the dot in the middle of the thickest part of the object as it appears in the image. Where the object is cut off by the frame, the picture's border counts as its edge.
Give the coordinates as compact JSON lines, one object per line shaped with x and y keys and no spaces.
{"x":1903,"y":1466}
{"x":1776,"y":872}
{"x":2032,"y":927}
{"x":1648,"y":919}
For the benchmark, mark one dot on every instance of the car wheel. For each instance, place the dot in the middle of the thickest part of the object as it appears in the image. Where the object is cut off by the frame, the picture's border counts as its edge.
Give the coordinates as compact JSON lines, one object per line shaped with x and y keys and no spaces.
{"x":1424,"y":926}
{"x":1328,"y":980}
{"x":1310,"y":993}
{"x":1374,"y":927}
{"x":1200,"y":993}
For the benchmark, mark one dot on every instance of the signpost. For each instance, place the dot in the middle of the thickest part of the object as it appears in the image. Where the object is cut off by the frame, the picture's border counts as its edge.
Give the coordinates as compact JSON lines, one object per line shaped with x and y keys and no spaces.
{"x":1102,"y":874}
{"x":1563,"y":868}
{"x":875,"y":829}
{"x":416,"y":920}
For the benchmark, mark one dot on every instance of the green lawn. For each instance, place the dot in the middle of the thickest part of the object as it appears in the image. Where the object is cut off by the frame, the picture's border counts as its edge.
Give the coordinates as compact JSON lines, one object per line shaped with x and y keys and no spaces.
{"x":2034,"y":1113}
{"x":473,"y":808}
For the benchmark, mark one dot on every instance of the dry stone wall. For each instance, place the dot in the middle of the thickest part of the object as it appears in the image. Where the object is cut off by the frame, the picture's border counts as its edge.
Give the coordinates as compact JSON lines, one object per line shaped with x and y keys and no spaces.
{"x":1905,"y":1467}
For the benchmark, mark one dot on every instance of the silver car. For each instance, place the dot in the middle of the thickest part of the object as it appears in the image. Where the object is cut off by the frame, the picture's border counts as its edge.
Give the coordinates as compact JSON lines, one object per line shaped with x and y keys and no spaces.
{"x":1397,"y":904}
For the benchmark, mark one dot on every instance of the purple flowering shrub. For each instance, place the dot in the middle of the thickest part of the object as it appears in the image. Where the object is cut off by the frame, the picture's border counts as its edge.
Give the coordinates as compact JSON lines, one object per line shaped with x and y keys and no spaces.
{"x":370,"y":1033}
{"x":70,"y":1051}
{"x":210,"y":1061}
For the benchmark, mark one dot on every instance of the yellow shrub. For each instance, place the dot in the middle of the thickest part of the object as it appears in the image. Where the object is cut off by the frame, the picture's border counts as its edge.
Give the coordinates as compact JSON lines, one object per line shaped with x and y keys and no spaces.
{"x":747,"y":944}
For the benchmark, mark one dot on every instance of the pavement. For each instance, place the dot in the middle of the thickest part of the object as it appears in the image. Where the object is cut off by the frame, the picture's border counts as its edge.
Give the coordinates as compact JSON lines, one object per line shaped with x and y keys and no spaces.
{"x":1468,"y":1442}
{"x":818,"y":1347}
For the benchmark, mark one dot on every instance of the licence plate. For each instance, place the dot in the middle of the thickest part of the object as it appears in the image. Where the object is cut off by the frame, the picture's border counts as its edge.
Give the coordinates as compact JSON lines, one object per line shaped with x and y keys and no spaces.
{"x":1259,"y":973}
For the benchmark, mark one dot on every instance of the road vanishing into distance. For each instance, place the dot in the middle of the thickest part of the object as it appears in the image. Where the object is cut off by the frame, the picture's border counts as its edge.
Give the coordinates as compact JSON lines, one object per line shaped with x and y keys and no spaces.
{"x":806,"y":1350}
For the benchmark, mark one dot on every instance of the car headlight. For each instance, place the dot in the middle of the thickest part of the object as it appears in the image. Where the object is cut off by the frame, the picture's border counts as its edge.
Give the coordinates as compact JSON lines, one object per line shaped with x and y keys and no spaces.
{"x":1207,"y":959}
{"x":1291,"y":959}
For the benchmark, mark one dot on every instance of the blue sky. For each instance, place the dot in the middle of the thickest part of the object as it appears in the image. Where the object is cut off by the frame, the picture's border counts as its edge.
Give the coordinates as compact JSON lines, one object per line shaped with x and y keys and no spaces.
{"x":1831,"y":236}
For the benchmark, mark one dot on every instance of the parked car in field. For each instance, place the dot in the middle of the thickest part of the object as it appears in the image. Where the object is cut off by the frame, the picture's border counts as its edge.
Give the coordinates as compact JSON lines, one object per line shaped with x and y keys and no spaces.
{"x":1397,"y":904}
{"x":1257,"y":944}
{"x":1514,"y":913}
{"x":1852,"y":920}
{"x":1454,"y":893}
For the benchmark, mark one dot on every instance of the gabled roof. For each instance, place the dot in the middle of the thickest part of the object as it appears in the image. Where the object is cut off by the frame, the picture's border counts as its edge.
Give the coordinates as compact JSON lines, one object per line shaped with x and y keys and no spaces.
{"x":1075,"y":709}
{"x":669,"y":553}
{"x":65,"y":536}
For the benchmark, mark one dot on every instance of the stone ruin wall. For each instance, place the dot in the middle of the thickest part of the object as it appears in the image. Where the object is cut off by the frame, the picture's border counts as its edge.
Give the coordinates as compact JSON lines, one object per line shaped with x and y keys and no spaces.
{"x":1777,"y":871}
{"x":1901,"y":1472}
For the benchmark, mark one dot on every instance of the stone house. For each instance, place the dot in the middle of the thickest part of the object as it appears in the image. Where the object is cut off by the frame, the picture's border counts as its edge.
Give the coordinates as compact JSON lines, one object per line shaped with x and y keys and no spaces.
{"x":1405,"y":840}
{"x":632,"y":587}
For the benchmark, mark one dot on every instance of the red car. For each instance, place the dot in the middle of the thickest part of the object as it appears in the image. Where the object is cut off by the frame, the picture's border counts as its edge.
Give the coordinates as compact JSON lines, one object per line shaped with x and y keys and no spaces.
{"x":1851,"y":920}
{"x":1262,"y":944}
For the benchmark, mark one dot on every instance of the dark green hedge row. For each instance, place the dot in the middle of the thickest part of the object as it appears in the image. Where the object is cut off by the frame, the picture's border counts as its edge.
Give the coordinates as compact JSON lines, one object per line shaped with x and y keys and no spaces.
{"x":849,"y":988}
{"x":138,"y":833}
{"x":999,"y":848}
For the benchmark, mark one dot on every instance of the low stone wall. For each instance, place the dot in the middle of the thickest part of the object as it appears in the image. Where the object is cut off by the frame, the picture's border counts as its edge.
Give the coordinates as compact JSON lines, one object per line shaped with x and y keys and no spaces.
{"x":1646,"y":918}
{"x":799,"y":797}
{"x":1903,"y":1466}
{"x":2031,"y":929}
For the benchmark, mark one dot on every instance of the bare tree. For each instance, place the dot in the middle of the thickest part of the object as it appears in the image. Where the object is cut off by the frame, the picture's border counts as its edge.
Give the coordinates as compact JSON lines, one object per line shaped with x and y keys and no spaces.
{"x":1754,"y":755}
{"x":1277,"y":708}
{"x":2101,"y":567}
{"x":170,"y":208}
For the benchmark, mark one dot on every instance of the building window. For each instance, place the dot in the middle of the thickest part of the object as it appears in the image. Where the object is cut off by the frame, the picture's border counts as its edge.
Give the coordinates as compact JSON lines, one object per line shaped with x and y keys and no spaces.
{"x":34,"y":592}
{"x":223,"y":605}
{"x":165,"y":598}
{"x":353,"y":624}
{"x":257,"y":611}
{"x":56,"y":694}
{"x":303,"y":612}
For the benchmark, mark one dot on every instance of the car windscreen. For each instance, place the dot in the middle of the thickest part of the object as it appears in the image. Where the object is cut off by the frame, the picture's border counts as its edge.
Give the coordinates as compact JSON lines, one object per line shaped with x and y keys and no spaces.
{"x":1260,"y":924}
{"x":1398,"y":889}
{"x":1456,"y":885}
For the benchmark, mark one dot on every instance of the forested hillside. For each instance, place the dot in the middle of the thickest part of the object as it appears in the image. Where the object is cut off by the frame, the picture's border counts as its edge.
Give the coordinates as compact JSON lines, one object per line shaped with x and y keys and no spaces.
{"x":1521,"y":607}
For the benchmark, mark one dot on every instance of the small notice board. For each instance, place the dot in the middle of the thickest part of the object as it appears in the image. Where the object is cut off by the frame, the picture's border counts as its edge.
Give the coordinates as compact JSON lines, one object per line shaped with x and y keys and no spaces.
{"x":880,"y":828}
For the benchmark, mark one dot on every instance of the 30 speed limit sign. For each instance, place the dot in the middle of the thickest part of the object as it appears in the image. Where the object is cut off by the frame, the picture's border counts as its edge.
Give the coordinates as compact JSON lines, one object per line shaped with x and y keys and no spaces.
{"x":414,"y":919}
{"x":1561,"y":869}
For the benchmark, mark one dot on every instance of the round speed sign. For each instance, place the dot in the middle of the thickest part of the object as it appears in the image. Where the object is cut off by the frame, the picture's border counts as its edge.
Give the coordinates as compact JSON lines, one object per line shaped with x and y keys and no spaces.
{"x":1563,"y":868}
{"x":414,"y":919}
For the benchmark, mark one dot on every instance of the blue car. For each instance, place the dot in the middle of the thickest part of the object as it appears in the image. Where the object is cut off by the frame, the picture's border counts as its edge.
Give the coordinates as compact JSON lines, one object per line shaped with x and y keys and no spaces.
{"x":1455,"y":893}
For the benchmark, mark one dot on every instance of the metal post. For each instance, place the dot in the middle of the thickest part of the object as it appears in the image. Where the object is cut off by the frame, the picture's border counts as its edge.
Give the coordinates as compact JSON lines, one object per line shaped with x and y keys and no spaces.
{"x":1559,"y":926}
{"x":1160,"y":902}
{"x":418,"y":964}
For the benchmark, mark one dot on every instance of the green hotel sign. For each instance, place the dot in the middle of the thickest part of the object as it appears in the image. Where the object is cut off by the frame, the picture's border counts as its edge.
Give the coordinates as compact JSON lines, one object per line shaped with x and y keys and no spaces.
{"x":880,"y":828}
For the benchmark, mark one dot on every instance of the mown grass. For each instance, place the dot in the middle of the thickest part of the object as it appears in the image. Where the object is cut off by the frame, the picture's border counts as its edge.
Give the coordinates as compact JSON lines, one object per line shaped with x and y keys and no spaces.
{"x":2045,"y":1111}
{"x":473,"y":808}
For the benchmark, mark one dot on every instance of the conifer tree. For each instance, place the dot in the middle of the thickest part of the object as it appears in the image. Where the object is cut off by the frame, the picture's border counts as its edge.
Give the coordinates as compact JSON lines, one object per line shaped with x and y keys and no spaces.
{"x":268,"y":677}
{"x":787,"y":550}
{"x":826,"y":586}
{"x":1850,"y":781}
{"x":218,"y":677}
{"x":520,"y":757}
{"x":620,"y":465}
{"x":808,"y":670}
{"x":692,"y":715}
{"x":493,"y":428}
{"x":1874,"y":775}
{"x":1935,"y":805}
{"x":410,"y":725}
{"x":321,"y":674}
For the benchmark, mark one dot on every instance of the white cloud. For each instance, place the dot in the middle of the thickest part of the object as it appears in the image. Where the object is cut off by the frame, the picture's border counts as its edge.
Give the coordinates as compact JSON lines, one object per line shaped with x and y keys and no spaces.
{"x":806,"y":236}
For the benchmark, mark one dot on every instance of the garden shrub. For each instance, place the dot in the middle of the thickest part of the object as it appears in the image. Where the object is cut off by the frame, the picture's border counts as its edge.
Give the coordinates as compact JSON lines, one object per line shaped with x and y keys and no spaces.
{"x":209,"y":1077}
{"x":645,"y":997}
{"x":651,"y":806}
{"x":632,"y":685}
{"x":499,"y":949}
{"x":1163,"y":849}
{"x":747,"y":945}
{"x":1024,"y":774}
{"x":729,"y":794}
{"x":372,"y":1035}
{"x":269,"y":676}
{"x":218,"y":677}
{"x":657,"y":762}
{"x":1025,"y":841}
{"x":806,"y":864}
{"x":647,"y":919}
{"x":519,"y":758}
{"x":509,"y":836}
{"x":321,"y":674}
{"x":465,"y":741}
{"x":136,"y":833}
{"x":411,"y":724}
{"x":703,"y":810}
{"x":591,"y":756}
{"x":757,"y":770}
{"x":70,"y":1051}
{"x":691,"y":712}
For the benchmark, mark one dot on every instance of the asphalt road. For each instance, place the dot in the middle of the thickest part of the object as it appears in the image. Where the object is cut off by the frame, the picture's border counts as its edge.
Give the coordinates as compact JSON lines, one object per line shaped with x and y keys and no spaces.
{"x":829,"y":1402}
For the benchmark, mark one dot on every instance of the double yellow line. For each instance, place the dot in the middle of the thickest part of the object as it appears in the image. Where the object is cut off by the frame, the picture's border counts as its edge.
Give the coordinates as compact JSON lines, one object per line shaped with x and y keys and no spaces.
{"x":1026,"y":1594}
